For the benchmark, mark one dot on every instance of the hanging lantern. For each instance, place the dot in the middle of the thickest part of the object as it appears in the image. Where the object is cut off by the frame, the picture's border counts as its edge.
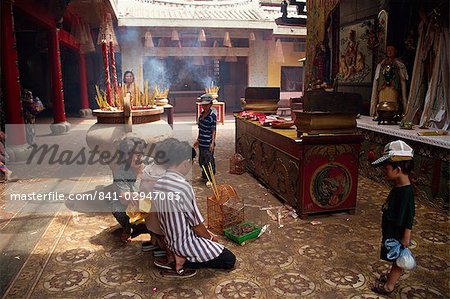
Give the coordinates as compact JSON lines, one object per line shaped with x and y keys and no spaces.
{"x":198,"y":60}
{"x":162,"y":51}
{"x":110,"y":31}
{"x":252,"y":36}
{"x":88,"y":46}
{"x":202,"y":36}
{"x":175,"y":36}
{"x":279,"y":55}
{"x":82,"y":33}
{"x":76,"y":30}
{"x":149,"y":40}
{"x":107,"y":29}
{"x":227,"y":40}
{"x":161,"y":42}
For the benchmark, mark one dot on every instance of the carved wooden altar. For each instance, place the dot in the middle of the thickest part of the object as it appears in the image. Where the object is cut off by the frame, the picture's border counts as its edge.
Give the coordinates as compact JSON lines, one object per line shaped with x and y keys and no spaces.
{"x":314,"y":174}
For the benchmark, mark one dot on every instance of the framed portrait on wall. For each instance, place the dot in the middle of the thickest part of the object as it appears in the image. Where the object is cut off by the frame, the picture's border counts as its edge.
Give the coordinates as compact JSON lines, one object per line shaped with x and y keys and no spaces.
{"x":357,"y":43}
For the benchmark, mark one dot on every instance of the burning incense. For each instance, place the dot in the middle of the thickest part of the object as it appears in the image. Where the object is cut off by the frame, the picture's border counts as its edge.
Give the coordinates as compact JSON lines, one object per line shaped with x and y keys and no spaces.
{"x":134,"y":99}
{"x":161,"y":93}
{"x":146,"y":93}
{"x":212,"y":89}
{"x":101,"y":101}
{"x":139,"y":100}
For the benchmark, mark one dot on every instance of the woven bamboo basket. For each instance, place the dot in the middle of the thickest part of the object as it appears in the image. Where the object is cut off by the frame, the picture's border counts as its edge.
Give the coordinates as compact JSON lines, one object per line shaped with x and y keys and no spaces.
{"x":237,"y":165}
{"x":225,"y":211}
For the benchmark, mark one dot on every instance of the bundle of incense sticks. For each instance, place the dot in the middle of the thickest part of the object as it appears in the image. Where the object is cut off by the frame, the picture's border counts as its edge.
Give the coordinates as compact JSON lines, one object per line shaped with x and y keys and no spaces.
{"x":161,"y":93}
{"x":102,"y":101}
{"x":146,"y":102}
{"x":212,"y":180}
{"x":118,"y":97}
{"x":145,"y":99}
{"x":212,"y":89}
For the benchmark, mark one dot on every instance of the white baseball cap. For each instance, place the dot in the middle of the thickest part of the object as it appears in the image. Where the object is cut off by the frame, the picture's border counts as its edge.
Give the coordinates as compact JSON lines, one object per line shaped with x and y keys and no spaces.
{"x":395,"y":151}
{"x":206,"y":99}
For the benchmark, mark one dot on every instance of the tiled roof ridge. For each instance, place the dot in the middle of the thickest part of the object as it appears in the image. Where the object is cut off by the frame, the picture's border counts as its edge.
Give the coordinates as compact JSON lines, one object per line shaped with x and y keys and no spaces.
{"x":250,"y":10}
{"x":193,"y":4}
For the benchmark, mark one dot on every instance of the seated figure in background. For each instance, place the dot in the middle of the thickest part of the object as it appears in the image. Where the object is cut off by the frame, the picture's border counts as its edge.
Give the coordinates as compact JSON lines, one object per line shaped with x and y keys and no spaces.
{"x":128,"y":81}
{"x":389,"y":86}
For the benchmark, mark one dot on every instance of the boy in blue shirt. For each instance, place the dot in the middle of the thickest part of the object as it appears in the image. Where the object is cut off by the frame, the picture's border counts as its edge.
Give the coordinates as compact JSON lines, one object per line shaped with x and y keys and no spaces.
{"x":206,"y":136}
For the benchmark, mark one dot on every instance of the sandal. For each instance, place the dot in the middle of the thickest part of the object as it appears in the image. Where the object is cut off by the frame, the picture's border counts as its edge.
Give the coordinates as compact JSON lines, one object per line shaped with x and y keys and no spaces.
{"x":379,"y":288}
{"x":181,"y":273}
{"x":159,"y":253}
{"x":383,"y":279}
{"x":164,"y":264}
{"x":148,"y":246}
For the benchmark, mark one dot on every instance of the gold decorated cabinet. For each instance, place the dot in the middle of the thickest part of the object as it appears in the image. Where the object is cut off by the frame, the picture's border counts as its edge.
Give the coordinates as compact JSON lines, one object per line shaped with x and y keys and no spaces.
{"x":314,"y":174}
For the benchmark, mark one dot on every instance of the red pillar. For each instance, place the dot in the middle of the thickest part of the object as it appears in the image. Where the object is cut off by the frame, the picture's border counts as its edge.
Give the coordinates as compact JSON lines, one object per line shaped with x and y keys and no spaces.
{"x":10,"y":76}
{"x":59,"y":115}
{"x":83,"y":82}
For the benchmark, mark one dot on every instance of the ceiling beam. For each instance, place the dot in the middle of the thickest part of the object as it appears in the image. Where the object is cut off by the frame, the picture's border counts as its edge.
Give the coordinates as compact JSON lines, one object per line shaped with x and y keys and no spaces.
{"x":36,"y":13}
{"x":195,"y":51}
{"x":68,"y":40}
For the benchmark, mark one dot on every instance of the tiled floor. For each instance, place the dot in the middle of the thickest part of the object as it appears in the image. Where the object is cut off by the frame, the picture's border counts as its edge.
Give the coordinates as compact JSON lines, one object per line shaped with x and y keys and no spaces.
{"x":78,"y":256}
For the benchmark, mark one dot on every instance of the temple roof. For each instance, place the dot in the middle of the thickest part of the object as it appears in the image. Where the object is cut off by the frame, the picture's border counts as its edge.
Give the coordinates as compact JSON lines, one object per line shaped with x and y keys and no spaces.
{"x":204,"y":13}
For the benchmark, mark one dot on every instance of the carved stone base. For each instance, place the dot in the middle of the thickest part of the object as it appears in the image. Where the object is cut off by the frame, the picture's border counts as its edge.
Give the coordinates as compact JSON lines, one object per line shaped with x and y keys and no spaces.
{"x":60,"y":128}
{"x":85,"y":112}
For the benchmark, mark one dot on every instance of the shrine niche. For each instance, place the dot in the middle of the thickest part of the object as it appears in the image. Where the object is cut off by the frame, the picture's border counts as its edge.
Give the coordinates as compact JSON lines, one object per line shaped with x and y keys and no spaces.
{"x":355,"y":56}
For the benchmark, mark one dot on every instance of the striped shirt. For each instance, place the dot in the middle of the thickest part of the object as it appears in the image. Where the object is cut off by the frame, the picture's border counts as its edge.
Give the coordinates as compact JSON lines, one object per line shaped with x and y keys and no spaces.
{"x":177,"y":219}
{"x":206,"y":127}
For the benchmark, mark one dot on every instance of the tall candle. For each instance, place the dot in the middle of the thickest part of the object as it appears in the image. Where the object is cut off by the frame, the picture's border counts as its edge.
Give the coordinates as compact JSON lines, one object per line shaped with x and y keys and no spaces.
{"x":106,"y":65}
{"x":113,"y":70}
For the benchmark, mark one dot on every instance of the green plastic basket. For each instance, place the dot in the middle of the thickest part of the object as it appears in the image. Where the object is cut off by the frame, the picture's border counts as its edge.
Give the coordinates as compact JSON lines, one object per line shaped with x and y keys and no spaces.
{"x":241,"y":239}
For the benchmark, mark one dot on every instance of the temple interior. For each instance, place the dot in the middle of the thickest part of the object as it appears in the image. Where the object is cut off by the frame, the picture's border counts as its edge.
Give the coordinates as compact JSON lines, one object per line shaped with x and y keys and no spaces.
{"x":289,"y":128}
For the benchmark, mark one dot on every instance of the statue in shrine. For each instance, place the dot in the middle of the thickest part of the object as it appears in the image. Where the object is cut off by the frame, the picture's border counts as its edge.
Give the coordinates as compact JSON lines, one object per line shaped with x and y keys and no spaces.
{"x":284,"y":6}
{"x":285,"y":20}
{"x":300,"y":6}
{"x":320,"y":63}
{"x":389,"y":98}
{"x":351,"y":52}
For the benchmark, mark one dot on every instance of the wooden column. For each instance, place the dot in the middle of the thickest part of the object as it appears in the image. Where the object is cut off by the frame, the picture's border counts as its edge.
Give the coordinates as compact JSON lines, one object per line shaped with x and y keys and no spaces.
{"x":59,"y":114}
{"x":10,"y":76}
{"x":83,"y":82}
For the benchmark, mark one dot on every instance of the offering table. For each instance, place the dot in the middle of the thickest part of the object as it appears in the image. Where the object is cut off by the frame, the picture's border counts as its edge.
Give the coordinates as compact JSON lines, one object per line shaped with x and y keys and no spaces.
{"x":314,"y":173}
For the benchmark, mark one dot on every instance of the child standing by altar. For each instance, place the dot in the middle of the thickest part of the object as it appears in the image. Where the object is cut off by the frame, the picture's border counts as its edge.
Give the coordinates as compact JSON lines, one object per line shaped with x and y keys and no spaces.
{"x":206,"y":137}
